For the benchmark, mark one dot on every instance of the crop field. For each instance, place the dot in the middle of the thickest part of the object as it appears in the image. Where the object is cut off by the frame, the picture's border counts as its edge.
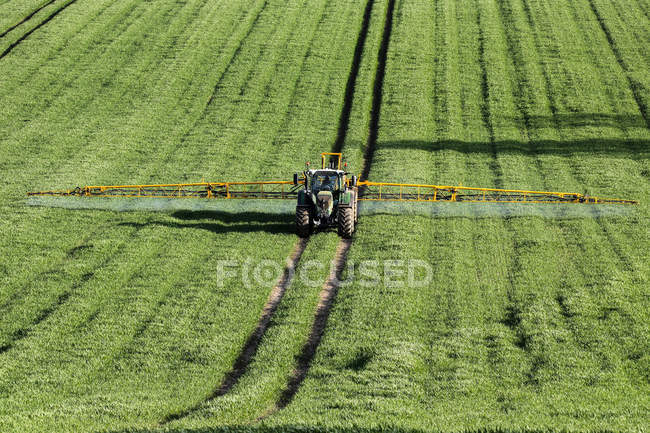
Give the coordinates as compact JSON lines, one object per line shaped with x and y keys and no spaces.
{"x":118,"y":316}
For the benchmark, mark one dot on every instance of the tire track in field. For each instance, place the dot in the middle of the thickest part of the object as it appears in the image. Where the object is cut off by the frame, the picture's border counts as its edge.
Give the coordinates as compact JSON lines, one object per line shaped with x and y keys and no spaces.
{"x":634,"y":86}
{"x":495,"y":166}
{"x":547,"y":79}
{"x":514,"y":50}
{"x":326,"y":299}
{"x":63,"y":297}
{"x":377,"y":91}
{"x":252,"y":343}
{"x":328,"y":294}
{"x":344,"y":120}
{"x":26,"y":18}
{"x":41,"y":24}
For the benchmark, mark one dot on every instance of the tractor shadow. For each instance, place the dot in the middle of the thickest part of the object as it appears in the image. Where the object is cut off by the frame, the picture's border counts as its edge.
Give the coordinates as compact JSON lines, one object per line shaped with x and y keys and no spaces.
{"x":220,"y":222}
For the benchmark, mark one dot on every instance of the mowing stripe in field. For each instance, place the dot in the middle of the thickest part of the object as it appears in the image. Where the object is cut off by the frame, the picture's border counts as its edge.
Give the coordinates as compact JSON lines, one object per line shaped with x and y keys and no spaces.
{"x":245,"y":80}
{"x":268,"y":96}
{"x":239,"y":47}
{"x":574,"y":169}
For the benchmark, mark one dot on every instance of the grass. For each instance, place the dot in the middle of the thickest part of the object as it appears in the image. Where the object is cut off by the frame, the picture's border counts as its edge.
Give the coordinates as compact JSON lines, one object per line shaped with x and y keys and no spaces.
{"x":114,"y":320}
{"x":513,"y":332}
{"x":14,"y":13}
{"x":122,"y":286}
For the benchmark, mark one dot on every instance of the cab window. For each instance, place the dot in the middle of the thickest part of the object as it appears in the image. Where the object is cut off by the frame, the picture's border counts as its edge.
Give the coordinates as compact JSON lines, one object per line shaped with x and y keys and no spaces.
{"x":325,"y":182}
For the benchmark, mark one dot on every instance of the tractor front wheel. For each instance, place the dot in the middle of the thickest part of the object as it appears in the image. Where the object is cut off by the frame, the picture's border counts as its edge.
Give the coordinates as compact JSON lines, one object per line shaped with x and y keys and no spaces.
{"x":346,"y":222}
{"x":303,"y":221}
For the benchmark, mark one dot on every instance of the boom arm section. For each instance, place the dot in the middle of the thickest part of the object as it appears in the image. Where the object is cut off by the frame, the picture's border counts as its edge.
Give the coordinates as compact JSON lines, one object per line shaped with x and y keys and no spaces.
{"x":375,"y":191}
{"x":220,"y":190}
{"x":383,"y":191}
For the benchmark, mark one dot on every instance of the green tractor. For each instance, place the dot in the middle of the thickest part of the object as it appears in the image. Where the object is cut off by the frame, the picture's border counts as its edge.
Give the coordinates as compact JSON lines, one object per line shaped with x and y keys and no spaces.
{"x":328,"y":199}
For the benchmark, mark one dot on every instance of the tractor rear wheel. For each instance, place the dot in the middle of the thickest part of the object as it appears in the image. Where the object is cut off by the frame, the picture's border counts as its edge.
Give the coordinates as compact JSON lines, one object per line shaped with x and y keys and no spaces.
{"x":303,"y":221}
{"x":346,"y":222}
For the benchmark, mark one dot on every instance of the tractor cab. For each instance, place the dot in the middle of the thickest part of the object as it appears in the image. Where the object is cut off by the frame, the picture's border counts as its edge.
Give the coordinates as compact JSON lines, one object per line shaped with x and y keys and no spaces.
{"x":326,"y":180}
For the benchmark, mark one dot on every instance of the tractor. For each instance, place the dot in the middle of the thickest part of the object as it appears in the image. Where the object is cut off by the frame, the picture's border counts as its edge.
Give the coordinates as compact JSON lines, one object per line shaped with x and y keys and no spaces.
{"x":328,"y":199}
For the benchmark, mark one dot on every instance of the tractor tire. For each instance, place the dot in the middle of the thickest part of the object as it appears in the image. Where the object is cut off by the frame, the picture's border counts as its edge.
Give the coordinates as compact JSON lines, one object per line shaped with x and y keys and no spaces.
{"x":346,"y":222}
{"x":304,"y":222}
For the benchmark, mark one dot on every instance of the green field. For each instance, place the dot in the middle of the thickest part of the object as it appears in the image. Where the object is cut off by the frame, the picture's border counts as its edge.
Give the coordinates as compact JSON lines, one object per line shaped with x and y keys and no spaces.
{"x":116,"y":317}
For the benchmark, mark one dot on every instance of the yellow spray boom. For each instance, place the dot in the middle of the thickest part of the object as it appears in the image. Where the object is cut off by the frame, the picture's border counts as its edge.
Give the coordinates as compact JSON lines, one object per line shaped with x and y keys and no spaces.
{"x":327,"y":196}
